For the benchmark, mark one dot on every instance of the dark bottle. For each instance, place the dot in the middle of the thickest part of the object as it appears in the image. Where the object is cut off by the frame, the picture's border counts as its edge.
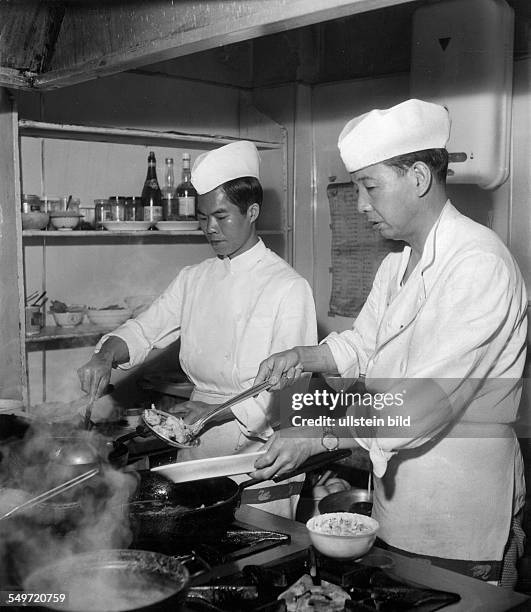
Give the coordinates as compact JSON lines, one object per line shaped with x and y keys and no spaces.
{"x":151,"y":195}
{"x":186,"y":193}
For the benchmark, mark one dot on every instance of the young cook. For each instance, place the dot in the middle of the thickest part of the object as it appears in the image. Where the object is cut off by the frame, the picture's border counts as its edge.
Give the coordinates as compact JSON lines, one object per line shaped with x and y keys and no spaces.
{"x":230,"y":312}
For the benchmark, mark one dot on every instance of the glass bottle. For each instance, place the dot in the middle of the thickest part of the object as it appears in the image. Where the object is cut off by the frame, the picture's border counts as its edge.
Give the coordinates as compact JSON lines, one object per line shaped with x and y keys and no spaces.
{"x":186,"y":193}
{"x":170,"y":205}
{"x":102,"y":213}
{"x":151,"y":195}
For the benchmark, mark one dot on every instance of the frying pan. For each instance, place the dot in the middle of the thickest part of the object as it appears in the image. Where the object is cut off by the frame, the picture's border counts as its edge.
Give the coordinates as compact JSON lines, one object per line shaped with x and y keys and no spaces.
{"x":162,"y":512}
{"x":114,"y":580}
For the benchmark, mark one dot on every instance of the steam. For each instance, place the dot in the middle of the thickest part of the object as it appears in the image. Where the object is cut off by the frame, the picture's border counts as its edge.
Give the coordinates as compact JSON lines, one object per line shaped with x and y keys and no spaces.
{"x":90,"y":517}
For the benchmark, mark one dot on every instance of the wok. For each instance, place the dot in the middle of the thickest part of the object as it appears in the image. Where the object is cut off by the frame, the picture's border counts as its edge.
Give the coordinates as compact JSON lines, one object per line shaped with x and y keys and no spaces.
{"x":162,"y":512}
{"x":113,"y":581}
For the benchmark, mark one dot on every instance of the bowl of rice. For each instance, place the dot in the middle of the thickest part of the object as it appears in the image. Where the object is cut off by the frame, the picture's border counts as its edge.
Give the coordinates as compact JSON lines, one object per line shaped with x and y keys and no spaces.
{"x":342,"y":535}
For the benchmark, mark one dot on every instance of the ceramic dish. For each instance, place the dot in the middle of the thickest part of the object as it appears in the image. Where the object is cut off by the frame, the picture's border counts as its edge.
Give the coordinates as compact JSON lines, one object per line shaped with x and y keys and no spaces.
{"x":127,"y":226}
{"x":199,"y":469}
{"x":177,"y":225}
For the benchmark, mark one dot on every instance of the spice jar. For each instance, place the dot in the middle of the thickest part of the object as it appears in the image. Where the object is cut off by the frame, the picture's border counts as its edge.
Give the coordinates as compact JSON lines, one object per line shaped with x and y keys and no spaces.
{"x":102,"y":213}
{"x":30,"y":203}
{"x":117,"y":208}
{"x":133,"y":209}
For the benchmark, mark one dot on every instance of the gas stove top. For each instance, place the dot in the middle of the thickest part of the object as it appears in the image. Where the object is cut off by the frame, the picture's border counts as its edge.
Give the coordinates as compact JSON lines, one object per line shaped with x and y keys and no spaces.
{"x":369,"y":587}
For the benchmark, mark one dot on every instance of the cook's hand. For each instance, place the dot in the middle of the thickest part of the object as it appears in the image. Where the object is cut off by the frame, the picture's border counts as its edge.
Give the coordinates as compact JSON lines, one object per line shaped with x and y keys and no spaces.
{"x":192,"y":411}
{"x":285,"y":453}
{"x":95,"y":375}
{"x":281,"y":370}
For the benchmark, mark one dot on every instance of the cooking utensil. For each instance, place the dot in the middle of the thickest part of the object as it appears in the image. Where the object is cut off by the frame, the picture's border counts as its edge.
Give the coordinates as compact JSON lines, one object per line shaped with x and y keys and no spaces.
{"x":69,"y":484}
{"x":88,"y":414}
{"x":162,"y":512}
{"x":38,"y":299}
{"x":116,"y":580}
{"x":353,"y":500}
{"x":195,"y":428}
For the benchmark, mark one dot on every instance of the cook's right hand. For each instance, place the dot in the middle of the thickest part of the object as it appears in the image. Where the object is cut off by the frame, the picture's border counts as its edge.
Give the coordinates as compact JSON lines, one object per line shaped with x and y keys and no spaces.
{"x":95,"y":375}
{"x":280,"y":369}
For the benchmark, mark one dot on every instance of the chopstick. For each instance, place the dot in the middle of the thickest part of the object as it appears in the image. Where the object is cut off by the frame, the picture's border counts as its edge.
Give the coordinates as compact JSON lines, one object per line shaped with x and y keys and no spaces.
{"x":73,"y":482}
{"x":31,"y":297}
{"x":36,"y":302}
{"x":88,"y":414}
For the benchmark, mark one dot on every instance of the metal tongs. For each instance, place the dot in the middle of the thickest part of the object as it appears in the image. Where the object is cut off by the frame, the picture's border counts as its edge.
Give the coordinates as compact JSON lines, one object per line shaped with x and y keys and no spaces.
{"x":194,"y":429}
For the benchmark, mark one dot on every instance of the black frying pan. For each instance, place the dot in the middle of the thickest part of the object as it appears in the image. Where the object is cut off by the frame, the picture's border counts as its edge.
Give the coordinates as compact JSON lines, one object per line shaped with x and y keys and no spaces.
{"x":161,"y":511}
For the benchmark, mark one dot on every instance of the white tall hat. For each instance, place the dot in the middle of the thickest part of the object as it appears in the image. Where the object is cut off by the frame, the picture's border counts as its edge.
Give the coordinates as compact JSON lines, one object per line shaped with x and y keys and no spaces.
{"x":413,"y":125}
{"x":230,"y":162}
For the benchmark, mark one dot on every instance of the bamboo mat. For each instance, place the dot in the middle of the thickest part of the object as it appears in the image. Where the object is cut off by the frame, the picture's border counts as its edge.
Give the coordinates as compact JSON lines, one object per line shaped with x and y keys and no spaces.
{"x":357,"y":251}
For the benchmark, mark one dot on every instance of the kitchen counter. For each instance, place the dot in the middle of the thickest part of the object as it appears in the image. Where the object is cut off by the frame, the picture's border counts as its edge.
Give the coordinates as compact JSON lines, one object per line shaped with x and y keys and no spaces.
{"x":475,"y":595}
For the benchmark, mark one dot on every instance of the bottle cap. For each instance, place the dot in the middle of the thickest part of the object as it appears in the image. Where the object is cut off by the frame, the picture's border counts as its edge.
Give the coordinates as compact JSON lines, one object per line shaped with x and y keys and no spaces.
{"x":169,"y":160}
{"x":186,"y":155}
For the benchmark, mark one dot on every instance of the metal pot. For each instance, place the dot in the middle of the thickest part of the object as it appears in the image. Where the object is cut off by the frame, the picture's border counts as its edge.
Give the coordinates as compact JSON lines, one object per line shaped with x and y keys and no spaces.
{"x":162,"y":512}
{"x":113,"y":581}
{"x":353,"y":500}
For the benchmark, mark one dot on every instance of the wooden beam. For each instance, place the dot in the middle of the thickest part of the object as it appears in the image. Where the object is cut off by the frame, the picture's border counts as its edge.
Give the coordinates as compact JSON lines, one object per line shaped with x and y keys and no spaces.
{"x":17,"y":79}
{"x":12,"y":359}
{"x":99,"y":40}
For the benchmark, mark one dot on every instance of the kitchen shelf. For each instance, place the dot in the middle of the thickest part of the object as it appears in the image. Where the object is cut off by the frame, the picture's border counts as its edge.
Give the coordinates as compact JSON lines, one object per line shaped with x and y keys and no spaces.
{"x":66,"y":337}
{"x":109,"y":234}
{"x":40,"y":129}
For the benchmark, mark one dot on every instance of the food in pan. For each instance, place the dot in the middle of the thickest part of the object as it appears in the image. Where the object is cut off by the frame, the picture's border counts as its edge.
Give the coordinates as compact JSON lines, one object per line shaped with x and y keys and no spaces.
{"x":167,"y":426}
{"x":305,"y":596}
{"x":340,"y":524}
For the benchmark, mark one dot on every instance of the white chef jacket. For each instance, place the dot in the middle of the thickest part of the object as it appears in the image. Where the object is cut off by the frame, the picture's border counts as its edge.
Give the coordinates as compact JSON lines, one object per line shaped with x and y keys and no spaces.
{"x":459,"y":320}
{"x":230,"y":315}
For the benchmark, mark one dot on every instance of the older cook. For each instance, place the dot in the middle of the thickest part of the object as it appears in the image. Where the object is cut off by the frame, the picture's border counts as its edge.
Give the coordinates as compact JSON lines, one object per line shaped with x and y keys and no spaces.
{"x":230,"y":312}
{"x":444,"y":332}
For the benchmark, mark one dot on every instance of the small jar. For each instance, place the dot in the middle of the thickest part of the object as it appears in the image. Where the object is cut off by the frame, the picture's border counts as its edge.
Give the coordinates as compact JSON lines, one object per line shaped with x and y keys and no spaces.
{"x":117,"y":208}
{"x":133,"y":209}
{"x":30,"y":203}
{"x":102,"y":213}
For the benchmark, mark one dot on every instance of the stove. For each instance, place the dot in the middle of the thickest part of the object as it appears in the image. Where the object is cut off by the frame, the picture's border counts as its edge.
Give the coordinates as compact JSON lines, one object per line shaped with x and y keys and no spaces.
{"x":369,"y":586}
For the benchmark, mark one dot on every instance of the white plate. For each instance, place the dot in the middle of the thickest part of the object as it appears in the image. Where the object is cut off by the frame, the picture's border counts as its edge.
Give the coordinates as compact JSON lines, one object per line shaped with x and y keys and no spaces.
{"x":177,"y":225}
{"x":199,"y":469}
{"x":127,"y":226}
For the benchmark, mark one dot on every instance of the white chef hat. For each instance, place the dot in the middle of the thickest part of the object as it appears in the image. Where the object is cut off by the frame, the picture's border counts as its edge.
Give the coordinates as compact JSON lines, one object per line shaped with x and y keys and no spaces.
{"x":413,"y":125}
{"x":230,"y":162}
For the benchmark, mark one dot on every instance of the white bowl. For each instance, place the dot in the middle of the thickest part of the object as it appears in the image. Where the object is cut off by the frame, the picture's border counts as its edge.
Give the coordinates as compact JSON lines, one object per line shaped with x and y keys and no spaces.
{"x":35,"y":220}
{"x":347,"y":546}
{"x":111,"y":317}
{"x":64,"y":220}
{"x":68,"y":319}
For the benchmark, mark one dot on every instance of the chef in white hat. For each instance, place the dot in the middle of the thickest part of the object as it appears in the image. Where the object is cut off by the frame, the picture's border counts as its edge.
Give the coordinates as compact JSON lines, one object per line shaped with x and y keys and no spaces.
{"x":443,"y":334}
{"x":230,"y":312}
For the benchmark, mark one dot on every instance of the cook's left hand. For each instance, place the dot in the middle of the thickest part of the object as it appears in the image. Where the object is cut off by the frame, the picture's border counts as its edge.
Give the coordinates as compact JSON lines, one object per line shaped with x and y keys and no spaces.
{"x":286,"y":451}
{"x":191,"y":411}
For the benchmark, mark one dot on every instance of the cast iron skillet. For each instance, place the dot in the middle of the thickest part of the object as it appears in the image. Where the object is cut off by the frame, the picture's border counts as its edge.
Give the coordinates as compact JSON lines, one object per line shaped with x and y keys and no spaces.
{"x":162,"y":511}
